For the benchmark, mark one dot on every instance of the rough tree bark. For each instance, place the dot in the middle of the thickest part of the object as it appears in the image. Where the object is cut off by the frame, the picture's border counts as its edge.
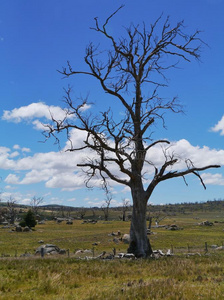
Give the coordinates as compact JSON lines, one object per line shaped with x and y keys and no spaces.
{"x":134,"y":63}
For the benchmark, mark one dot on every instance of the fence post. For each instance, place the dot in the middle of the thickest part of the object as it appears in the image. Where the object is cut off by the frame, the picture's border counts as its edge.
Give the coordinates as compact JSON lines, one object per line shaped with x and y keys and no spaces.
{"x":93,"y":250}
{"x":206,"y":247}
{"x":42,"y":252}
{"x":172,"y":249}
{"x":68,"y":253}
{"x":188,"y":248}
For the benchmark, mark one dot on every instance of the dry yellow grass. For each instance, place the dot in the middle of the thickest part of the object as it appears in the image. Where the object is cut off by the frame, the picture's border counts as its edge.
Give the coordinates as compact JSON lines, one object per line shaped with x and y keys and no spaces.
{"x":57,"y":278}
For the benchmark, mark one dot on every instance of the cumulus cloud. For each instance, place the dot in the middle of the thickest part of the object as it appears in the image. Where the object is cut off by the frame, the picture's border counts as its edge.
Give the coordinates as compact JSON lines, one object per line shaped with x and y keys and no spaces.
{"x":12,"y":179}
{"x":213,"y":179}
{"x":219,"y":126}
{"x":59,"y":169}
{"x":36,"y":111}
{"x":24,"y":149}
{"x":14,"y":154}
{"x":32,"y":111}
{"x":183,"y":150}
{"x":16,"y":147}
{"x":66,"y":181}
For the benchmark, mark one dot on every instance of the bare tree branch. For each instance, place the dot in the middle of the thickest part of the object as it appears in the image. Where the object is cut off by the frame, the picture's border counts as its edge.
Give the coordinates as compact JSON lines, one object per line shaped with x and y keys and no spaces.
{"x":134,"y":62}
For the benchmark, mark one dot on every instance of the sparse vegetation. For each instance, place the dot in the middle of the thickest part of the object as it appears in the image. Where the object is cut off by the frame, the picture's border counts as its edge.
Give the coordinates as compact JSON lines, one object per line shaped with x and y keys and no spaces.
{"x":29,"y":219}
{"x":62,"y":277}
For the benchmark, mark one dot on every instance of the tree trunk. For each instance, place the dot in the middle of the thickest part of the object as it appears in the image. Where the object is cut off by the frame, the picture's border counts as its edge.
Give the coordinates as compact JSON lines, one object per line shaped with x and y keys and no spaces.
{"x":139,"y":242}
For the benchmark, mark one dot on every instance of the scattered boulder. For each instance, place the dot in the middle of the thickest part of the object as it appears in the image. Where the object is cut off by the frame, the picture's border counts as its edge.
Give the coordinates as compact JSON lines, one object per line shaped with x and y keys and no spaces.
{"x":220,"y":248}
{"x":102,"y":254}
{"x":69,"y":222}
{"x":60,"y":220}
{"x":116,"y":240}
{"x":126,"y":255}
{"x":89,"y":221}
{"x":206,"y":223}
{"x":62,"y":251}
{"x":173,"y":227}
{"x":159,"y":253}
{"x":83,"y":251}
{"x":4,"y":223}
{"x":126,"y":238}
{"x":96,"y":243}
{"x":118,"y":233}
{"x":19,"y":228}
{"x":41,"y":222}
{"x":26,"y":229}
{"x":41,"y":242}
{"x":50,"y":249}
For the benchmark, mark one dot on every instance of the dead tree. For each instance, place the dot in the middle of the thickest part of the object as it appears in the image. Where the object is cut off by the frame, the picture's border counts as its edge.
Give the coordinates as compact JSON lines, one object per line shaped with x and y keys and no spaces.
{"x":11,"y":208}
{"x":105,"y":207}
{"x":134,"y":63}
{"x":125,"y":208}
{"x":35,"y":204}
{"x":82,"y":212}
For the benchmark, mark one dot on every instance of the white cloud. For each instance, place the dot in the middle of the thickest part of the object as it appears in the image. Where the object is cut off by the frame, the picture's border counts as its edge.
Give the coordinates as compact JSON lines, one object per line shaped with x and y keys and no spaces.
{"x":95,"y":203}
{"x":66,"y":181}
{"x":25,"y":201}
{"x":59,"y":169}
{"x":219,"y":126}
{"x":34,"y":110}
{"x":213,"y":179}
{"x":200,"y":156}
{"x":38,"y":125}
{"x":14,"y":154}
{"x":12,"y":179}
{"x":9,"y":187}
{"x":35,"y":176}
{"x":72,"y":200}
{"x":16,"y":147}
{"x":85,"y":107}
{"x":25,"y":149}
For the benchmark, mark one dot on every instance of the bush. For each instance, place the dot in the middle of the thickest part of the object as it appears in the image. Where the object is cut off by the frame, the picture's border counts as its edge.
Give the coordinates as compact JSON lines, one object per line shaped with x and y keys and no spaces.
{"x":29,"y":219}
{"x":22,"y":223}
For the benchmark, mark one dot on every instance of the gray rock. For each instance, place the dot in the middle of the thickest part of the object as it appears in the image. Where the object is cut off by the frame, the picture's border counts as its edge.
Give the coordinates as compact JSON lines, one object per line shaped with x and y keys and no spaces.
{"x":116,"y":240}
{"x":18,"y":228}
{"x":69,"y":222}
{"x":62,"y":251}
{"x":126,"y":238}
{"x":26,"y":229}
{"x":50,"y":249}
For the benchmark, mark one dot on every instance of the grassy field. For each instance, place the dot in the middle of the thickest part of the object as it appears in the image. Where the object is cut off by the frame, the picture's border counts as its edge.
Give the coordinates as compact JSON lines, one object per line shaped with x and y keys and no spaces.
{"x":61,"y":277}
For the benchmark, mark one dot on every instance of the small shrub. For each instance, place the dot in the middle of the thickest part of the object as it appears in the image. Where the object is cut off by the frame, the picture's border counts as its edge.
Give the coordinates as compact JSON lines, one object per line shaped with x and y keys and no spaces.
{"x":29,"y":219}
{"x":22,"y":223}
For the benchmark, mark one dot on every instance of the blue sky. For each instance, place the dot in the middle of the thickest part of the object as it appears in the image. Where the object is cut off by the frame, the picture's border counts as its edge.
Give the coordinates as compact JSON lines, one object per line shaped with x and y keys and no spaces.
{"x":38,"y":37}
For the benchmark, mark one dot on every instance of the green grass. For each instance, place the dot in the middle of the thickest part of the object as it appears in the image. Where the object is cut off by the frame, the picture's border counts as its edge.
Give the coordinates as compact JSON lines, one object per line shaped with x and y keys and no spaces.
{"x":60,"y":277}
{"x":170,"y":278}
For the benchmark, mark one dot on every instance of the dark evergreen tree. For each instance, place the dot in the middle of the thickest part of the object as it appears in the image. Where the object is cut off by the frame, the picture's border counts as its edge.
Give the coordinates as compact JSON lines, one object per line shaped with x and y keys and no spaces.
{"x":30,"y":219}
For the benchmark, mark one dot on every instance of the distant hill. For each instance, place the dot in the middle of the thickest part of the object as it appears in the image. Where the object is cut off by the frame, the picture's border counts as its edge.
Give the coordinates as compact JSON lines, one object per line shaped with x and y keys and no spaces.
{"x":210,"y":205}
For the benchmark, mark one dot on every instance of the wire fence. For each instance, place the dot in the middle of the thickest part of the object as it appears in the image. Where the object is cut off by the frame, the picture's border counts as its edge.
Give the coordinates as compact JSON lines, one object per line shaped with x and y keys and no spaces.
{"x":201,"y":249}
